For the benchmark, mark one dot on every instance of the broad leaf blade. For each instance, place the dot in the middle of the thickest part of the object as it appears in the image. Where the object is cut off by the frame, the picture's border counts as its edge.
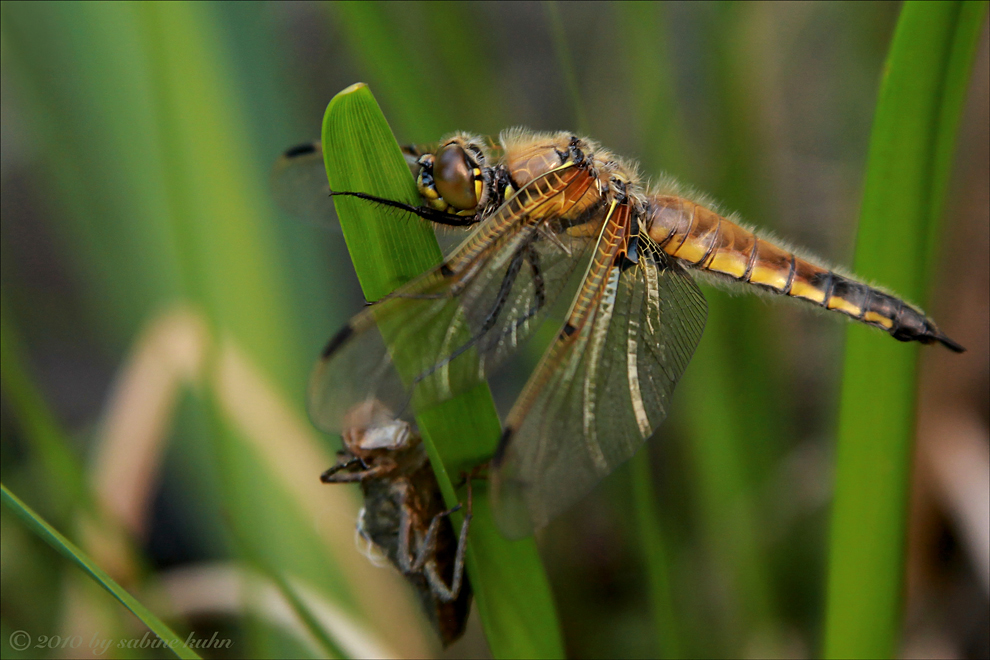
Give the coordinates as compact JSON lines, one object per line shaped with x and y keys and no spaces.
{"x":389,"y":248}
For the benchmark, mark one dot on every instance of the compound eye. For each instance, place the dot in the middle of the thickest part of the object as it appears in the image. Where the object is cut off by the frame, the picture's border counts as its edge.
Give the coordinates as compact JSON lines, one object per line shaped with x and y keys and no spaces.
{"x":453,"y":175}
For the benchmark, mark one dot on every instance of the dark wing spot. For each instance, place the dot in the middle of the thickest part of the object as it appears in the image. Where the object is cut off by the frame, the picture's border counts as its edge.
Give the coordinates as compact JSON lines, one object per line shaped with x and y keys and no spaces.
{"x":503,"y":445}
{"x":337,"y":341}
{"x":300,"y":150}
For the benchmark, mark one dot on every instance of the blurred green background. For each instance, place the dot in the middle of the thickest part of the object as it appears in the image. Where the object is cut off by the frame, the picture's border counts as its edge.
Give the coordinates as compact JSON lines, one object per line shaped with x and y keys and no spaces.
{"x":160,"y":315}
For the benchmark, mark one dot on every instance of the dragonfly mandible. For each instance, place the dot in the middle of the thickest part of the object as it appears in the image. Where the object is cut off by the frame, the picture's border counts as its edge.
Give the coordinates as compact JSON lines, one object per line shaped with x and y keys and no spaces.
{"x":546,"y":208}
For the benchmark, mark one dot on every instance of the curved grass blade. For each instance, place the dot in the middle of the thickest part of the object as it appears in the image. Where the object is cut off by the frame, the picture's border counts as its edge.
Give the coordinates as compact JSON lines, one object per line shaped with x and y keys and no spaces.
{"x":388,"y":249}
{"x":68,"y":549}
{"x":924,"y":84}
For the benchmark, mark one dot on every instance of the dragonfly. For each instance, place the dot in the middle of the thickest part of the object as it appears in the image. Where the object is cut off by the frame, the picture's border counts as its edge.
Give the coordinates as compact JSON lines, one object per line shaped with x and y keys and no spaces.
{"x":549,"y":212}
{"x":403,"y":514}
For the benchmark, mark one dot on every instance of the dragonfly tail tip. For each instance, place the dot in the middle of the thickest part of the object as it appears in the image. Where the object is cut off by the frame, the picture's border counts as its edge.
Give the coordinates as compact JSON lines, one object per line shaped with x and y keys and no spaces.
{"x":953,"y":346}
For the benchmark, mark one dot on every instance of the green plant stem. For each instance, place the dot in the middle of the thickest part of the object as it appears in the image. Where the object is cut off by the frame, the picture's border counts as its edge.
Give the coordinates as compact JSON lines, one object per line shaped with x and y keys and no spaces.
{"x":925,"y":80}
{"x":653,"y":546}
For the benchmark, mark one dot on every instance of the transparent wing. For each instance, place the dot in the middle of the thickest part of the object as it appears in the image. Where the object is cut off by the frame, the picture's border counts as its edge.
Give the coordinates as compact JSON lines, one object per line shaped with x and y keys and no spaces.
{"x":300,"y":186}
{"x":602,"y":395}
{"x":444,"y":332}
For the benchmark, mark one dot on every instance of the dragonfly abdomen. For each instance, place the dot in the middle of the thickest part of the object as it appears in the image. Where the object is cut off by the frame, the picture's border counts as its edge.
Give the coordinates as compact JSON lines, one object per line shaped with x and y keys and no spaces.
{"x":705,"y":240}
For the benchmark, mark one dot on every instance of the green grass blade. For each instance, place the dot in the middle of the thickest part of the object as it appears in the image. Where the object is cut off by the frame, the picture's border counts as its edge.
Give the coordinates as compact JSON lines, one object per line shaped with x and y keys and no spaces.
{"x":649,"y":76}
{"x":375,"y":35}
{"x":323,"y":638}
{"x":913,"y":137}
{"x":97,"y":149}
{"x":232,"y":271}
{"x":388,"y":249}
{"x":327,"y":643}
{"x":58,"y":468}
{"x":730,"y":389}
{"x":653,"y":547}
{"x":411,"y":51}
{"x":958,"y":69}
{"x":68,"y":549}
{"x":566,"y":64}
{"x":511,"y":589}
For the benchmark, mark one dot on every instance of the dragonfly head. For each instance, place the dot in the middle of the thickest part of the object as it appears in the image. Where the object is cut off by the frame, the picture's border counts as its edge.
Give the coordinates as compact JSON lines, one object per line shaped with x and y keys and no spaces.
{"x":454,"y":178}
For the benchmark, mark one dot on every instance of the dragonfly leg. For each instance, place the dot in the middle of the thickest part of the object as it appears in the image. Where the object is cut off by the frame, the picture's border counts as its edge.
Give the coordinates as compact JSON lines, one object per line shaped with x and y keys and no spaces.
{"x":407,"y":517}
{"x":427,"y":546}
{"x":337,"y":474}
{"x":477,"y":472}
{"x":343,"y":463}
{"x":425,"y":212}
{"x":539,"y":295}
{"x":503,"y":293}
{"x":437,"y":585}
{"x":525,"y":253}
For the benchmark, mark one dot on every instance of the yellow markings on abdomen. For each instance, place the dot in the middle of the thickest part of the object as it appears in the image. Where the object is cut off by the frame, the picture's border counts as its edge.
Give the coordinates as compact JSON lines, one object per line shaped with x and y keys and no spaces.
{"x":731,"y":251}
{"x":877,"y":319}
{"x":772,"y":267}
{"x":729,"y":263}
{"x":710,"y":242}
{"x":704,"y":240}
{"x":701,"y":236}
{"x":844,"y":306}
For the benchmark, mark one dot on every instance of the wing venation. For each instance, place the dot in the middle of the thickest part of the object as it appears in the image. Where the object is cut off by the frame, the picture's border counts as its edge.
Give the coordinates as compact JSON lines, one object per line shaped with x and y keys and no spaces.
{"x":604,"y":395}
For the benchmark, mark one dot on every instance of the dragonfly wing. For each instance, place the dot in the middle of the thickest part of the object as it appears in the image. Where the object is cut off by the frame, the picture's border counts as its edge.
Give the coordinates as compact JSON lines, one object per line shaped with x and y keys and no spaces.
{"x":444,"y":332}
{"x":602,"y":395}
{"x":300,"y":186}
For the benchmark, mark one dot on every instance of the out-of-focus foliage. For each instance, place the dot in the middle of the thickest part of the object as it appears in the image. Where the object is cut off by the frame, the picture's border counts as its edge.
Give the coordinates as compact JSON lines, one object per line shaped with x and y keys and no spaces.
{"x":69,"y":550}
{"x":168,"y":313}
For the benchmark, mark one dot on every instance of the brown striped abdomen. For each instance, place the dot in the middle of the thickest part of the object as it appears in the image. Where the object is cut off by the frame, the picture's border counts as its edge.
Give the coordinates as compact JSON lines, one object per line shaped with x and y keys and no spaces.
{"x":705,"y":240}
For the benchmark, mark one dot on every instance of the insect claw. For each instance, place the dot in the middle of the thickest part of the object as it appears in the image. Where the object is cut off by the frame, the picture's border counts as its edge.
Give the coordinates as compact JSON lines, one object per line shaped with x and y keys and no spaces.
{"x":454,"y":509}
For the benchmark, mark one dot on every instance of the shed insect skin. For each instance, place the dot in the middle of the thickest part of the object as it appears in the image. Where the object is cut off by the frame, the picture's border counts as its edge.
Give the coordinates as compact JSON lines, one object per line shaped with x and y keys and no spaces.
{"x":404,"y":514}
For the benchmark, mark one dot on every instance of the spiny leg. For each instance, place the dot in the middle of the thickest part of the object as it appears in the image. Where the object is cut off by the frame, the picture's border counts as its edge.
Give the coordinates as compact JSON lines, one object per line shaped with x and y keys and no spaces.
{"x":424,"y":212}
{"x":433,"y":577}
{"x":526,"y":253}
{"x":427,"y":546}
{"x":406,"y":517}
{"x":335,"y":475}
